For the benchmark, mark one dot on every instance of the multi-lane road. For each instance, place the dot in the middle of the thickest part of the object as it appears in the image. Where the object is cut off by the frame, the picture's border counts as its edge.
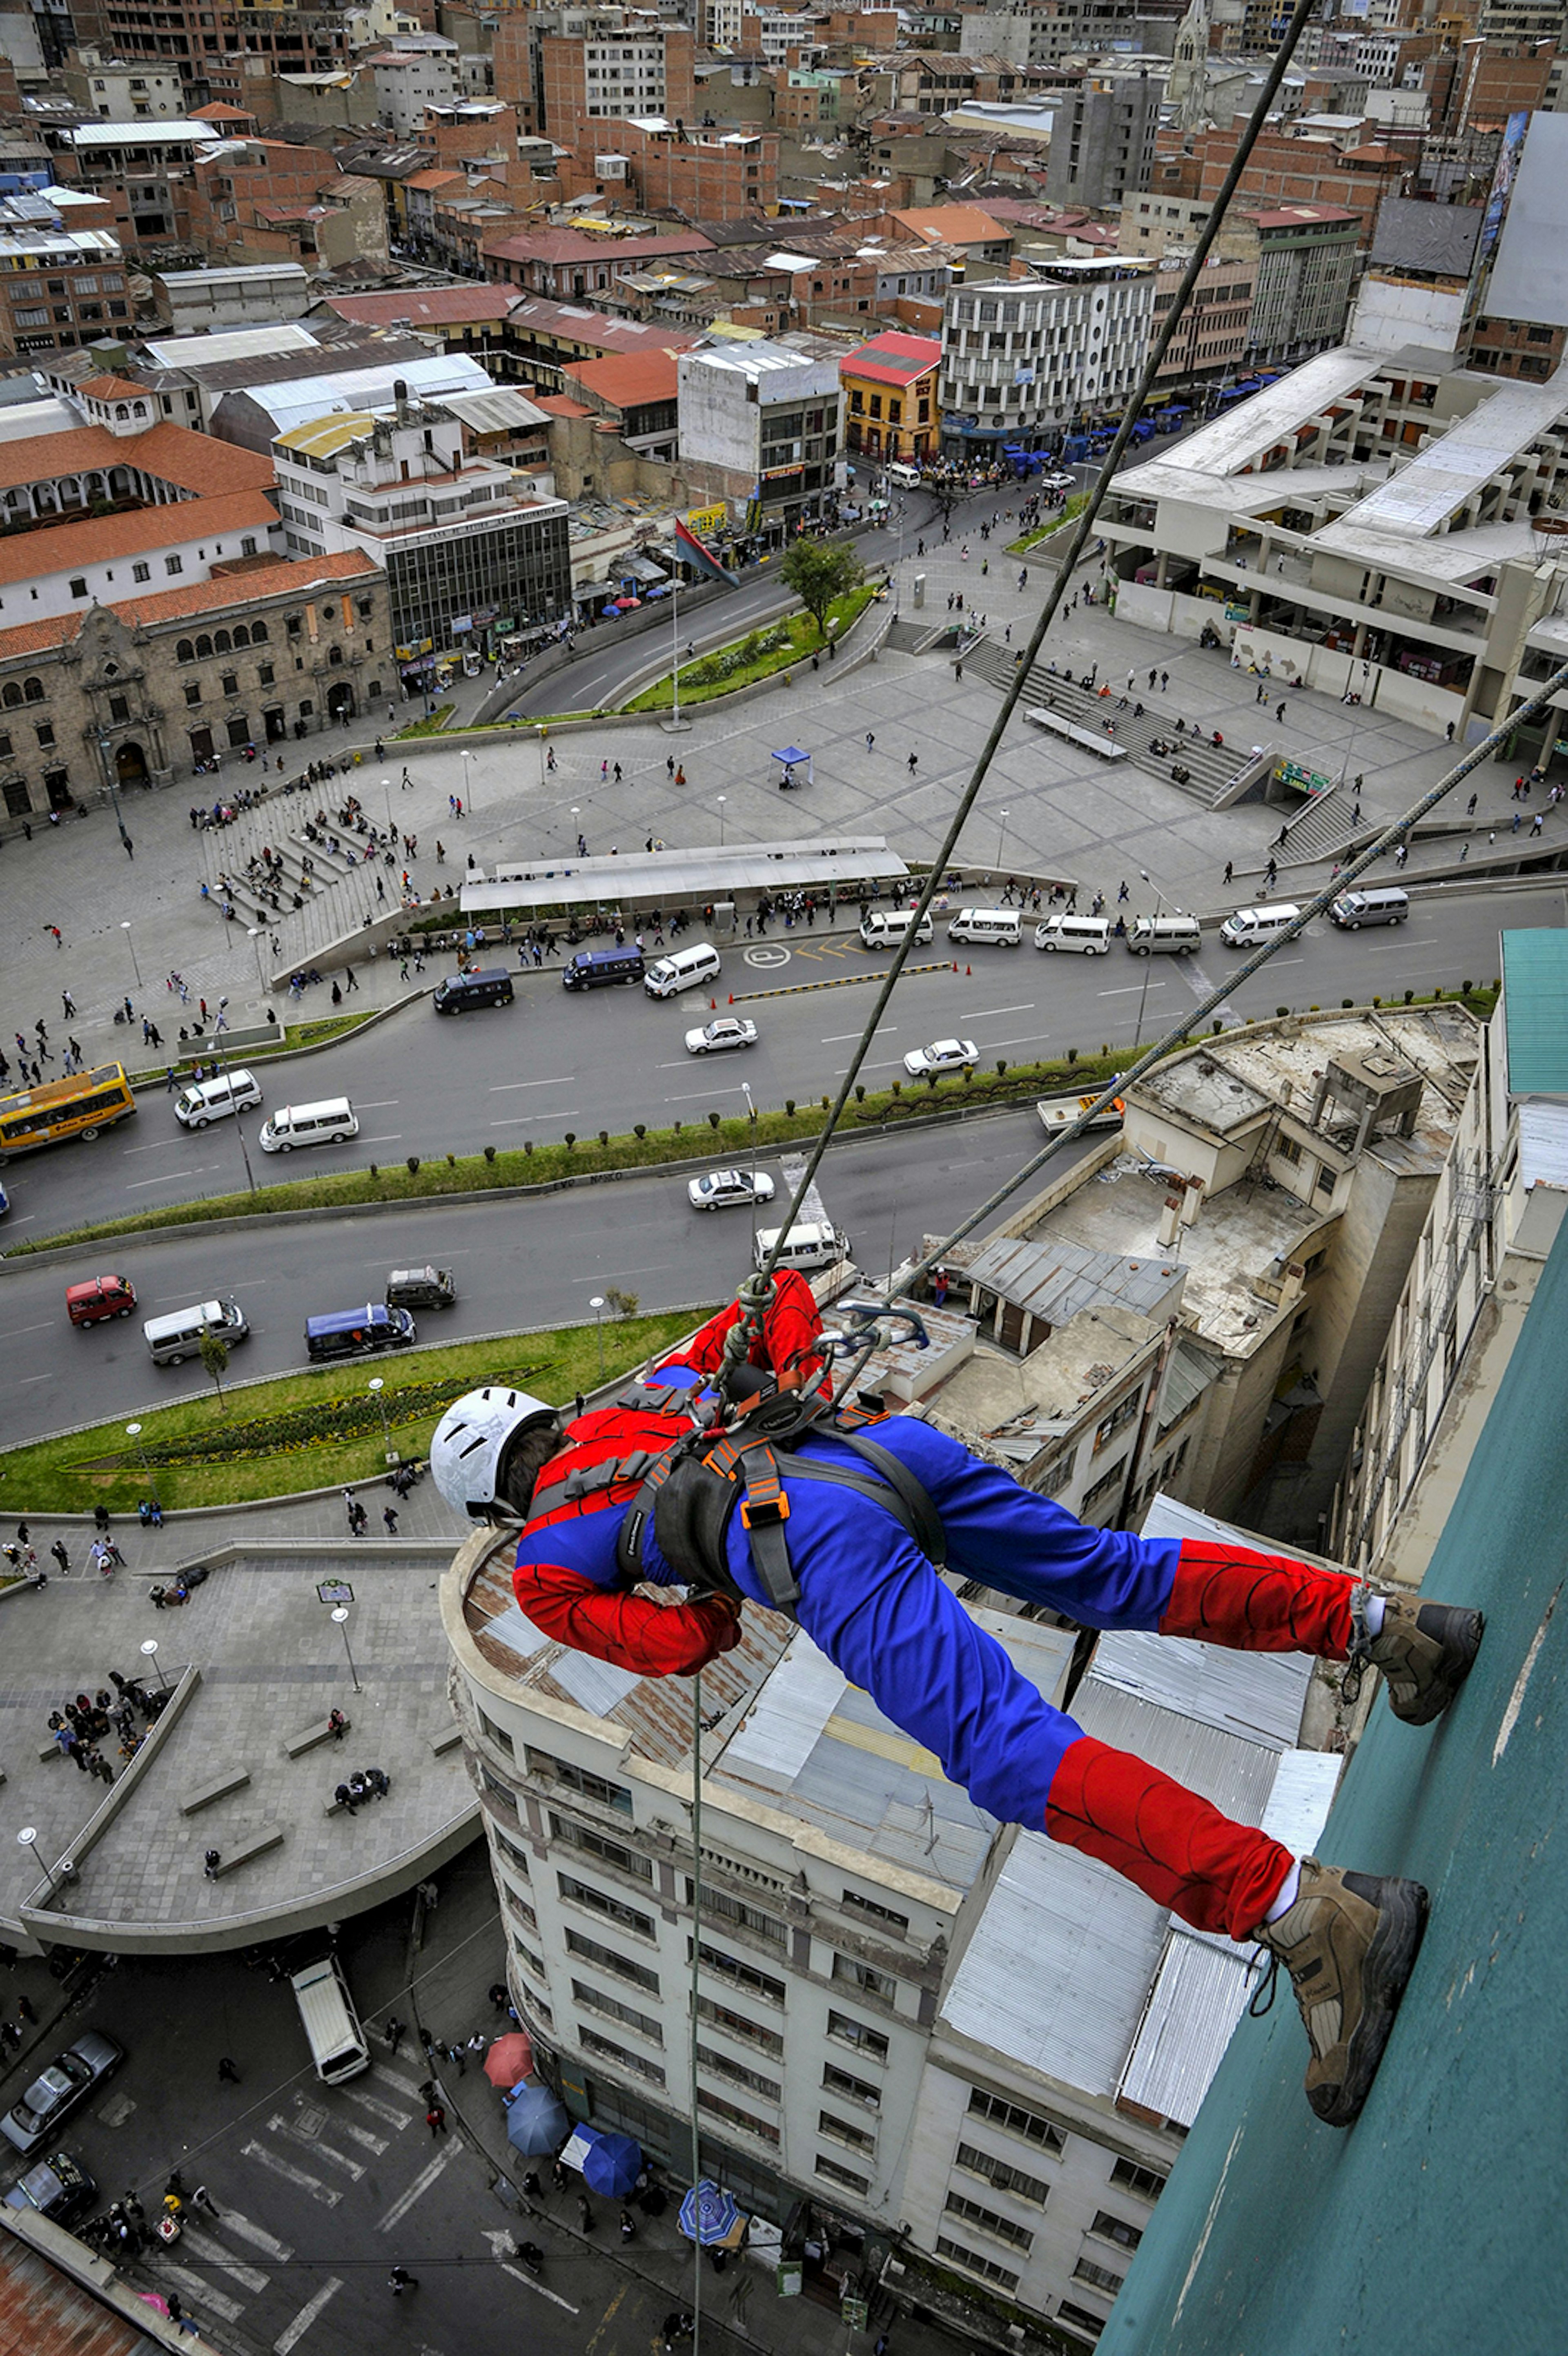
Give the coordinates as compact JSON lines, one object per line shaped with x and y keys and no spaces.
{"x":556,"y":1061}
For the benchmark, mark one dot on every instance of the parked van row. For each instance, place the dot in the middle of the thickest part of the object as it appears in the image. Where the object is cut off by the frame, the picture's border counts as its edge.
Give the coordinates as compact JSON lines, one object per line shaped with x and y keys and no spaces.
{"x":1168,"y":933}
{"x":340,"y":1334}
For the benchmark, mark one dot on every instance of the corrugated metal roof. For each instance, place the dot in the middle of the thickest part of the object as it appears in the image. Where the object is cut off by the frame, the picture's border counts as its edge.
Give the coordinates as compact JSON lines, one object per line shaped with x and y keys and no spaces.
{"x":784,"y":1723}
{"x":1255,"y":1696}
{"x":1543,"y":1144}
{"x":1057,"y":1971}
{"x":1235,"y":1775}
{"x":708,"y":874}
{"x":1055,"y":1279}
{"x":1196,"y":2001}
{"x":1190,"y":1371}
{"x":1305,"y":1783}
{"x":44,"y":2313}
{"x":1535,"y":1011}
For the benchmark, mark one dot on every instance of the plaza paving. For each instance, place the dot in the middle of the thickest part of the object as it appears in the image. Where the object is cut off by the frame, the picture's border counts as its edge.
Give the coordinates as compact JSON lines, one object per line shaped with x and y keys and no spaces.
{"x":1044,"y":805}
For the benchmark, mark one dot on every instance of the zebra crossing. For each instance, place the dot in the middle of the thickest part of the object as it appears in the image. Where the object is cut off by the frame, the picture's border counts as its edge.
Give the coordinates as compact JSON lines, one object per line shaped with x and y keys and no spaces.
{"x":317,"y":2147}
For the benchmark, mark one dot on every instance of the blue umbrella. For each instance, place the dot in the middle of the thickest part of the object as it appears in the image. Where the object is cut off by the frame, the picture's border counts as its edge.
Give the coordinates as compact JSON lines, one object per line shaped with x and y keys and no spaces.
{"x":612,"y":2163}
{"x":708,"y":2214}
{"x":536,"y":2122}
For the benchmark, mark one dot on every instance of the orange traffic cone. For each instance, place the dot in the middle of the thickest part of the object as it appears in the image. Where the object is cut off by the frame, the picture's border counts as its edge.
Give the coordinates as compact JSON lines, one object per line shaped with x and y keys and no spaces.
{"x":732,"y":998}
{"x":969,"y":969}
{"x":713,"y":1006}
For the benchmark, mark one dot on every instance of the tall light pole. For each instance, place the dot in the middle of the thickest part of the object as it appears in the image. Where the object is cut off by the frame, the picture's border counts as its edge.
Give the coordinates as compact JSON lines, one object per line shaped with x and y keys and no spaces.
{"x":597,"y":1305}
{"x":576,"y":830}
{"x":150,"y":1654}
{"x":676,"y":723}
{"x":377,"y":1387}
{"x":386,"y":798}
{"x":28,"y":1840}
{"x":239,"y":1114}
{"x":340,"y":1618}
{"x":465,"y":756}
{"x":126,"y":929}
{"x":543,"y":732}
{"x":111,"y":780}
{"x":750,"y":1104}
{"x":1001,"y":835}
{"x":134,"y":1433}
{"x":1148,"y":957}
{"x":720,"y":821}
{"x":255,"y":934}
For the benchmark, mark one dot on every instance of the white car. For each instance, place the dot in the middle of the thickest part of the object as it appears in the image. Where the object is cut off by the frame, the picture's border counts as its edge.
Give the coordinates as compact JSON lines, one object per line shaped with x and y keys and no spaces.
{"x":942,"y":1055}
{"x":719,"y":1188}
{"x":727,"y":1032}
{"x":1059,"y":482}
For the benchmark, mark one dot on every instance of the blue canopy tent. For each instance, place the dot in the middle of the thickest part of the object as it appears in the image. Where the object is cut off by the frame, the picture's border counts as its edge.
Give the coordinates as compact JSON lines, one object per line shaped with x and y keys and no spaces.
{"x":789,"y":761}
{"x":536,"y":2122}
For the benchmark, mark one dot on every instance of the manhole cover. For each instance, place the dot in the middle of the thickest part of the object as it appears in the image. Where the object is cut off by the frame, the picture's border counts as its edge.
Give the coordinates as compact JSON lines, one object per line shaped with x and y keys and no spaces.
{"x":310,"y":2120}
{"x":117,"y":2110}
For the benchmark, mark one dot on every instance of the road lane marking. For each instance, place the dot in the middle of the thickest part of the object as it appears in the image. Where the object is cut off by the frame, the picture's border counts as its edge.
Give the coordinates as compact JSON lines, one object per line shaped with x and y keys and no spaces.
{"x":279,"y":2126}
{"x":361,"y":2135}
{"x":606,"y":2320}
{"x":522,"y":1120}
{"x":982,"y":1011}
{"x":889,"y":1064}
{"x":885,"y":1032}
{"x":694,"y":1096}
{"x":390,"y":1137}
{"x":236,"y":2222}
{"x":200,"y":2292}
{"x":248,"y":2277}
{"x":504,"y":1088}
{"x":165,"y":1145}
{"x":17,"y":1331}
{"x":1130,"y":990}
{"x":326,"y":2194}
{"x":380,"y":1104}
{"x":378,"y":2110}
{"x":166,"y":1180}
{"x":390,"y":2077}
{"x":292,"y":2333}
{"x":415,"y":2192}
{"x":601,"y":1275}
{"x":501,"y":2241}
{"x":529,"y":2284}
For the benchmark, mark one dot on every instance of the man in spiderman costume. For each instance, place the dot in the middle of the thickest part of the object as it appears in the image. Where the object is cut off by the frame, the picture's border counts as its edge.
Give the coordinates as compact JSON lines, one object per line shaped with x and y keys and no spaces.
{"x":841,"y":1525}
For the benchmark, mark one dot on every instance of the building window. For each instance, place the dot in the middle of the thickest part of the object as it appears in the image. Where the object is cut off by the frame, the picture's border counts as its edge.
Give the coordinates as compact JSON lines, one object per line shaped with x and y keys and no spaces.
{"x":498,"y":1789}
{"x":769,"y":2088}
{"x":140,"y":572}
{"x":879,"y":1913}
{"x":193,"y":691}
{"x":610,"y":1959}
{"x":869,"y":2042}
{"x":614,"y":1909}
{"x":1146,"y":2181}
{"x":79,"y":586}
{"x":840,"y":2131}
{"x":845,"y":2176}
{"x":515,"y":1856}
{"x":735,"y":1909}
{"x":989,"y":2221}
{"x":488,"y":1726}
{"x":173,"y":564}
{"x":46,"y":734}
{"x":1080,"y":2318}
{"x":1001,"y":2173}
{"x":611,"y":1853}
{"x":1102,"y":2277}
{"x":575,"y":1779}
{"x":881,"y":1987}
{"x":614,"y":2009}
{"x":119,"y":707}
{"x":535,"y":1963}
{"x":229,"y":683}
{"x":1116,"y":2229}
{"x":984,"y":2268}
{"x":856,"y":2090}
{"x":1120,"y":1415}
{"x":592,"y":2042}
{"x":1015,"y":2120}
{"x":736,"y":2117}
{"x":740,"y":1975}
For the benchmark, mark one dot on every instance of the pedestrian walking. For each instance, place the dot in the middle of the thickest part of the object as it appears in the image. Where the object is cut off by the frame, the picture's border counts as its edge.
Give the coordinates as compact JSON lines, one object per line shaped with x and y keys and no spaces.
{"x":178,"y":2317}
{"x":61,"y":1556}
{"x":629,"y":2226}
{"x":532,"y":2189}
{"x":228,"y":2074}
{"x":400,"y":2280}
{"x":585,"y":2212}
{"x":25,"y":2008}
{"x":395,"y":2033}
{"x":202,"y":2199}
{"x":457,"y":2052}
{"x":389,"y":1516}
{"x":497,"y":1996}
{"x":1229,"y":870}
{"x":871,"y":740}
{"x":435,"y":2119}
{"x":914,"y":763}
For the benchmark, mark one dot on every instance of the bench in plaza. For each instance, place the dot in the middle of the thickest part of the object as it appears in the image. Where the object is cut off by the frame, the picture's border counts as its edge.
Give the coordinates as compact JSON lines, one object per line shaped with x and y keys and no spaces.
{"x":270,"y":1838}
{"x":309,"y":1737}
{"x":234,"y":1778}
{"x":1093,"y":740}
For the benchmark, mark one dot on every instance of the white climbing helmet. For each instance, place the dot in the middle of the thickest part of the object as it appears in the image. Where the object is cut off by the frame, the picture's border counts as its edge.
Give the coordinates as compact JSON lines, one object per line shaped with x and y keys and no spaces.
{"x":473,"y":1440}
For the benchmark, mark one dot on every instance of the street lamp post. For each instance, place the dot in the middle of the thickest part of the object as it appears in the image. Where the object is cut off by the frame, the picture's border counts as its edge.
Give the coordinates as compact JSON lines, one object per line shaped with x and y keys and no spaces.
{"x":466,"y":757}
{"x":1148,"y":959}
{"x":576,"y":829}
{"x":28,"y":1840}
{"x":134,"y":1433}
{"x":1001,"y":836}
{"x":126,"y":929}
{"x":340,"y":1616}
{"x":597,"y":1305}
{"x":543,"y":732}
{"x":109,"y":779}
{"x":386,"y":798}
{"x":750,"y":1105}
{"x":255,"y":935}
{"x":377,"y":1387}
{"x":222,"y":1051}
{"x":721,"y":822}
{"x":150,"y":1654}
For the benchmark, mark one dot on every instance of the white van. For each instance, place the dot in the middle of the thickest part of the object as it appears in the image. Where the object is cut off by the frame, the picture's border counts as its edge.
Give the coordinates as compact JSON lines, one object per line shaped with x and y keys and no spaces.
{"x":1004,"y":926}
{"x":908,"y":478}
{"x":888,"y":929}
{"x":331,"y":1122}
{"x":338,"y":2045}
{"x":173,"y":1339}
{"x":1249,"y":929}
{"x":1084,"y":936}
{"x":1380,"y":903}
{"x":682,"y":970}
{"x":810,"y":1245}
{"x":207,"y":1101}
{"x":1165,"y":936}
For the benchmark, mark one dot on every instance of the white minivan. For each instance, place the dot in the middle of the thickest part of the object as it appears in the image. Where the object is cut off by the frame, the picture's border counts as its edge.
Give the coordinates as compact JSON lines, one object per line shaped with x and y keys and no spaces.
{"x":1165,"y":936}
{"x":331,"y":1122}
{"x":1249,"y":929}
{"x":1002,"y":926}
{"x":1083,"y":935}
{"x":682,"y":970}
{"x":810,"y":1245}
{"x":331,"y":2025}
{"x":207,"y":1101}
{"x":888,"y":929}
{"x":173,"y":1339}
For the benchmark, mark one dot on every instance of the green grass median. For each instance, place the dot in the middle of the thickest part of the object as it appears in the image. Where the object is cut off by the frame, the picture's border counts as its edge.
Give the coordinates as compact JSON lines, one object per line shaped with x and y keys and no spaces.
{"x":310,"y":1430}
{"x":771,"y":647}
{"x":1074,"y":507}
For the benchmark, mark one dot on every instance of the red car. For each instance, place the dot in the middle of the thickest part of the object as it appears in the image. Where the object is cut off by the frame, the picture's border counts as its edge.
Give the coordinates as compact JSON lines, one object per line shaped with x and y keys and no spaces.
{"x":100,"y":1297}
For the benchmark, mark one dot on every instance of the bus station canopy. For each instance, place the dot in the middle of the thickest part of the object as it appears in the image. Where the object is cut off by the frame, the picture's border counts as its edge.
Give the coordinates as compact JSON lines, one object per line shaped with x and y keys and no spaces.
{"x":682,"y":878}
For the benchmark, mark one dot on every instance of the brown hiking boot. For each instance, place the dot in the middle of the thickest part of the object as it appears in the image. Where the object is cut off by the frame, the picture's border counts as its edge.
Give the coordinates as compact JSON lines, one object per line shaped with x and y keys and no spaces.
{"x":1350,"y":1944}
{"x":1424,"y":1650}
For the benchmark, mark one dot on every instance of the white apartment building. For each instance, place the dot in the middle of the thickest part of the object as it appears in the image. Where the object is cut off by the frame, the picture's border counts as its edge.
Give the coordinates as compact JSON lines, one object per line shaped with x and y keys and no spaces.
{"x":1021,"y":359}
{"x":416,"y":70}
{"x":470,"y":552}
{"x":770,"y":415}
{"x":1495,"y":1216}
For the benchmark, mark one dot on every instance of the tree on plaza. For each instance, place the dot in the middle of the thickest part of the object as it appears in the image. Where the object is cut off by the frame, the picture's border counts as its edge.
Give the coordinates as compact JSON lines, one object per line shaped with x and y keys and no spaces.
{"x":215,"y":1358}
{"x":820,"y":572}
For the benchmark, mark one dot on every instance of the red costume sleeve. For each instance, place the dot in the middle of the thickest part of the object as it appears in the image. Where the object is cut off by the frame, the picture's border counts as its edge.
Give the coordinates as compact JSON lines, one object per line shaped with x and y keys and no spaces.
{"x":654,"y":1640}
{"x":789,"y":1329}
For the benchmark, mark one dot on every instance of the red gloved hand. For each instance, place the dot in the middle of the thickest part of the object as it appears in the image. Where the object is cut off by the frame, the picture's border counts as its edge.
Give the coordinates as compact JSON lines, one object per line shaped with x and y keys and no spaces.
{"x":654,"y":1640}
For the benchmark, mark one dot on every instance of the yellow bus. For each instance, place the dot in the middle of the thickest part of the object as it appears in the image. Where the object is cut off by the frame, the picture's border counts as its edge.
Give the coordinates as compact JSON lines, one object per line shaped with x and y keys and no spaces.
{"x":78,"y":1106}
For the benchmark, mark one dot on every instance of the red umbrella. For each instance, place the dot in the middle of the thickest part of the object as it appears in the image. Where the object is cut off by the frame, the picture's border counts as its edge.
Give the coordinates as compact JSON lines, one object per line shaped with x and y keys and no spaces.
{"x":510,"y":2058}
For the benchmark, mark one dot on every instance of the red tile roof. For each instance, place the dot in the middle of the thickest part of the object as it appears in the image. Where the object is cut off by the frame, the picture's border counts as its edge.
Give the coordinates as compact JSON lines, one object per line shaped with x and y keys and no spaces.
{"x":37,"y":638}
{"x":230,"y":591}
{"x":189,"y":462}
{"x":97,"y":540}
{"x":892,"y":359}
{"x":557,"y":245}
{"x":628,"y":379}
{"x":952,"y":224}
{"x":558,"y":405}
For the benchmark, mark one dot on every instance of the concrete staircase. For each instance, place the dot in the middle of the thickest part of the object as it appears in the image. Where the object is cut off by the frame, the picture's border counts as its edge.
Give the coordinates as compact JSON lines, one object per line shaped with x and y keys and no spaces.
{"x":1213,"y":767}
{"x":351,"y":888}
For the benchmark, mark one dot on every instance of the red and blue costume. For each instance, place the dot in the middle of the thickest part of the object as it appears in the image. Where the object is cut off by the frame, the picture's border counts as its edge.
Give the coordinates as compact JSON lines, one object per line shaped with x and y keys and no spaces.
{"x":873,"y":1601}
